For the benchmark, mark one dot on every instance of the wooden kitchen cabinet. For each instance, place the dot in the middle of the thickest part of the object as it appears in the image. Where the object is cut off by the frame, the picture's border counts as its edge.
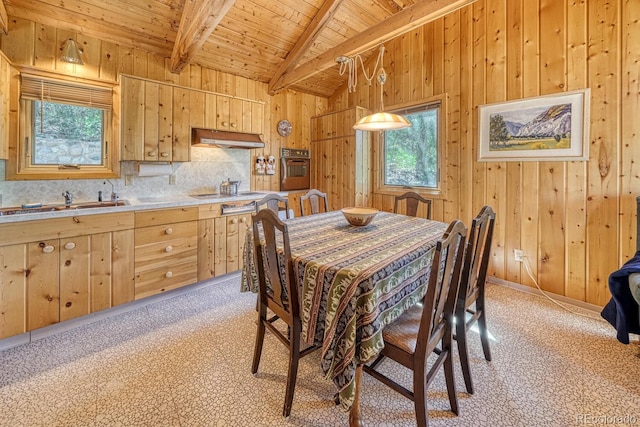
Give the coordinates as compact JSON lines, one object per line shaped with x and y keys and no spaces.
{"x":166,"y":250}
{"x":5,"y":82}
{"x":220,"y":241}
{"x":157,"y":118}
{"x":61,"y":268}
{"x":342,"y":155}
{"x":155,"y":121}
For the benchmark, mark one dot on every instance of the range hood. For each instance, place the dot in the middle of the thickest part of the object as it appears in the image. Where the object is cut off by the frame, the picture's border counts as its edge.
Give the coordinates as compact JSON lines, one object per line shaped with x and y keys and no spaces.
{"x":223,"y":139}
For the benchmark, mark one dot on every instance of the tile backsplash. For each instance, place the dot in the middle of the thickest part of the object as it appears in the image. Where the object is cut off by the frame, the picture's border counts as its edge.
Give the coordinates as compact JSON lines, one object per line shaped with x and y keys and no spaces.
{"x":209,"y":166}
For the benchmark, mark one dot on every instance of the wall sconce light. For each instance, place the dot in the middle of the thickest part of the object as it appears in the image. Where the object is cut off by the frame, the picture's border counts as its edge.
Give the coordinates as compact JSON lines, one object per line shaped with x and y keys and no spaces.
{"x":71,"y":52}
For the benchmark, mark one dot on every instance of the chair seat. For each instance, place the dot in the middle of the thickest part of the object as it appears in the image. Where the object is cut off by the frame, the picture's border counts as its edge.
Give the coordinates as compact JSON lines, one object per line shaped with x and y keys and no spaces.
{"x":403,"y":332}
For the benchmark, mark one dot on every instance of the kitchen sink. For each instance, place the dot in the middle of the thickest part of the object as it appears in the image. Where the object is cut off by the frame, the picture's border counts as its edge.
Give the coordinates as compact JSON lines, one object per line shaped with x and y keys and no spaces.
{"x":91,"y":205}
{"x":57,"y":208}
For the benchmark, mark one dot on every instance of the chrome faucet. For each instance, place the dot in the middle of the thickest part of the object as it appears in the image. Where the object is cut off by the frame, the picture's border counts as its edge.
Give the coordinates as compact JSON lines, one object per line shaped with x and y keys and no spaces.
{"x":68,"y":198}
{"x":114,"y":195}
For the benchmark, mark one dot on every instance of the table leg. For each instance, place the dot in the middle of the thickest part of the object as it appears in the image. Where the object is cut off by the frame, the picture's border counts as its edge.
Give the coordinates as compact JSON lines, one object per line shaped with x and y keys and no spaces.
{"x":355,"y":419}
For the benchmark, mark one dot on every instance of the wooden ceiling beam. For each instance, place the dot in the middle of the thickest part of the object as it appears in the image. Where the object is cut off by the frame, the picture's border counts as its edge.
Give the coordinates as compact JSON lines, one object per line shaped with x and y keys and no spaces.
{"x":412,"y":17}
{"x":309,"y":35}
{"x":4,"y":18}
{"x":199,"y":19}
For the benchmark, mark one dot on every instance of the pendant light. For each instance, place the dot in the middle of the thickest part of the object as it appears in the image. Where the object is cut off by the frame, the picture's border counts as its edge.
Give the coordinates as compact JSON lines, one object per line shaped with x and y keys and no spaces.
{"x":71,"y":52}
{"x":382,"y":120}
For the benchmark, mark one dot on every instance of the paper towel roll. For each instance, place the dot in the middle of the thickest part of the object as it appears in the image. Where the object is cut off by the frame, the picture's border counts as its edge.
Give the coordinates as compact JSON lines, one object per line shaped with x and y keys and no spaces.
{"x":154,"y":169}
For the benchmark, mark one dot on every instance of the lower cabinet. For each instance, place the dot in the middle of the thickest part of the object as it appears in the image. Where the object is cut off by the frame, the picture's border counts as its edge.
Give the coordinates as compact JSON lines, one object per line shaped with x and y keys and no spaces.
{"x":46,"y":281}
{"x":220,"y":241}
{"x":166,"y":251}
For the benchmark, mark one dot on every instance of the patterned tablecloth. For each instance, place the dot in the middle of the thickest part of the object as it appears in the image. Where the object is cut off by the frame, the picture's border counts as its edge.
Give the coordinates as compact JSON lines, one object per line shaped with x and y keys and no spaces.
{"x":355,"y":280}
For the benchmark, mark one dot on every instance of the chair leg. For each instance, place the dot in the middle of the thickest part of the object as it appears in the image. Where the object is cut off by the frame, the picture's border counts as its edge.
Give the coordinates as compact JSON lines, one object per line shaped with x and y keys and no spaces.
{"x":294,"y":357}
{"x":450,"y":380}
{"x":420,"y":395}
{"x":482,"y":326}
{"x":257,"y":352}
{"x":463,"y":353}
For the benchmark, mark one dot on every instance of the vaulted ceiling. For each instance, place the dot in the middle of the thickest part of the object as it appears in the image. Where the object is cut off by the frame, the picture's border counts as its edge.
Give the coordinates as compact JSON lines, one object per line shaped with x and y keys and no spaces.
{"x":286,"y":43}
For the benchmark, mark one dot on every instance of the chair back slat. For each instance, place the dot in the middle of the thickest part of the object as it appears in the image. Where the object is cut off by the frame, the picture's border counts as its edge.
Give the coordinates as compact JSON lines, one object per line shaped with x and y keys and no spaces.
{"x":274,"y":202}
{"x":442,"y":291}
{"x":474,"y":271}
{"x":314,"y":197}
{"x":412,"y":202}
{"x":274,"y":264}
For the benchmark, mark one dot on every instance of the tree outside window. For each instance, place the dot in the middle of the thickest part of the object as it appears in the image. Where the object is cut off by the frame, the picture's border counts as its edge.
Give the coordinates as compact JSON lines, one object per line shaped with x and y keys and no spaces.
{"x":411,"y":154}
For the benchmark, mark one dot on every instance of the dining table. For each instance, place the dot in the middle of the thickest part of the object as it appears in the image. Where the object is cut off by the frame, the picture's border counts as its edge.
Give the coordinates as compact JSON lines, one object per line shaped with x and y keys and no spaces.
{"x":353,"y":281}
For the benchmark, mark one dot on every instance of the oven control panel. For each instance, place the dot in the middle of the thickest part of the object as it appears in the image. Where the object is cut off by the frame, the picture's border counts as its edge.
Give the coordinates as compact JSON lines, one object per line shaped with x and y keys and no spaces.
{"x":294,"y":153}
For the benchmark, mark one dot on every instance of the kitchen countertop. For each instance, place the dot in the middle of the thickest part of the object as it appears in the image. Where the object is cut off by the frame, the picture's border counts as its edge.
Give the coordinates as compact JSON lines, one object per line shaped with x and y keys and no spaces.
{"x":137,"y":204}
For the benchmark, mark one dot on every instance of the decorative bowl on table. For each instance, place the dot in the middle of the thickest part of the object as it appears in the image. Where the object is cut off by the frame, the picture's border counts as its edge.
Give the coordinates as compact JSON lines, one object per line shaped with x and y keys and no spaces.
{"x":359,"y":215}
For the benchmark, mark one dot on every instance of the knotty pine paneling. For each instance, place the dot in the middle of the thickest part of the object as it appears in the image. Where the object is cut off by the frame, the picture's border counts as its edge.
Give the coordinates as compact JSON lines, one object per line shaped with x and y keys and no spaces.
{"x":38,"y":45}
{"x":576,"y":221}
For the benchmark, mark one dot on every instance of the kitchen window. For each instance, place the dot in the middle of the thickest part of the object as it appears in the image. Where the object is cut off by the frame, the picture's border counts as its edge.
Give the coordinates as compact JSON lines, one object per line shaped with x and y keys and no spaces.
{"x":411,"y":157}
{"x":67,"y":128}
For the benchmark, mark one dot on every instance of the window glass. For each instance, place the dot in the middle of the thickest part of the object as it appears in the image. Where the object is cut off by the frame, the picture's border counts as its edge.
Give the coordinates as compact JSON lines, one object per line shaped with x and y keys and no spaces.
{"x":67,"y":134}
{"x":411,"y":154}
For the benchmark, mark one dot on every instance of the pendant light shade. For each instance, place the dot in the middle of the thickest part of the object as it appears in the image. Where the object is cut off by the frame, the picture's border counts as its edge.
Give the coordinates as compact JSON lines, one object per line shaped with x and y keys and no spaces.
{"x":382,"y":121}
{"x":71,"y":53}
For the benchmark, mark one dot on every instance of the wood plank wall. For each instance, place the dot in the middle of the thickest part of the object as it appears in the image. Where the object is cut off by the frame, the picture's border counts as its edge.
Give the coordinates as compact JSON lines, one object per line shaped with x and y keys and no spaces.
{"x":38,"y":45}
{"x":576,"y":221}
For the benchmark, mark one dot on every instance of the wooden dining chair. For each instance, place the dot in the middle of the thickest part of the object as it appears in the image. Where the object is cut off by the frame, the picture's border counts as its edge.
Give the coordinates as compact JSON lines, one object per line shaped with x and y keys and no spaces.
{"x":278,"y":292}
{"x":410,"y":339}
{"x":275,"y":202}
{"x":472,"y":283}
{"x":314,"y":196}
{"x":412,"y":202}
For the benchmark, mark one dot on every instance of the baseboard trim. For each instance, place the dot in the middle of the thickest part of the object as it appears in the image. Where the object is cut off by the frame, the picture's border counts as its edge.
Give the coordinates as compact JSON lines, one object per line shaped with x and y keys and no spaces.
{"x":560,"y":298}
{"x":38,"y":334}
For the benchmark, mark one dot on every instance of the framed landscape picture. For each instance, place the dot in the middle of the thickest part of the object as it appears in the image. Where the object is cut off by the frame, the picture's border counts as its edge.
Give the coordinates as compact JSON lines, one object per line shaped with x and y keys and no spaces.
{"x":544,"y":128}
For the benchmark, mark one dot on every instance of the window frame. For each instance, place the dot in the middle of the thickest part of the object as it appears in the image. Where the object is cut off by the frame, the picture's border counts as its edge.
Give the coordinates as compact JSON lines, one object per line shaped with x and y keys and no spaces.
{"x":438,"y":192}
{"x":19,"y":166}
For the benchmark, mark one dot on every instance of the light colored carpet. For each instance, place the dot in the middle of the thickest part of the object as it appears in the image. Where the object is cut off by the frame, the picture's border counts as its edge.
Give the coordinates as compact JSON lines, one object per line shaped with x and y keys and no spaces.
{"x":186,"y":362}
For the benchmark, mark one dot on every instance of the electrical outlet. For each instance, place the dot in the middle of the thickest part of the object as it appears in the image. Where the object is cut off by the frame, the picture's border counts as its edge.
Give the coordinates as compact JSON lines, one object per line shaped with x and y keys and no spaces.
{"x":518,"y":255}
{"x":128,"y":180}
{"x":172,"y":179}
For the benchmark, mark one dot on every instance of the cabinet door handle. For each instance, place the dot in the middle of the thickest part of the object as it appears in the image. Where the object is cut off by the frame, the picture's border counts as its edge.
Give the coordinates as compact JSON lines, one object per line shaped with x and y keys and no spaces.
{"x":168,"y":274}
{"x":164,"y":154}
{"x":243,"y":219}
{"x":234,"y":125}
{"x":69,"y":245}
{"x":48,"y":249}
{"x":234,"y":221}
{"x":151,"y":154}
{"x":225,"y":124}
{"x":168,"y":230}
{"x":168,"y":249}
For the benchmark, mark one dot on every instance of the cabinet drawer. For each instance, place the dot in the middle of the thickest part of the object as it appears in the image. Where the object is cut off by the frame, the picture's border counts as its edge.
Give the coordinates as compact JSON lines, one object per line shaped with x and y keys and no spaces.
{"x":165,"y":233}
{"x":163,"y":279}
{"x":157,"y":255}
{"x":69,"y":226}
{"x":166,"y":216}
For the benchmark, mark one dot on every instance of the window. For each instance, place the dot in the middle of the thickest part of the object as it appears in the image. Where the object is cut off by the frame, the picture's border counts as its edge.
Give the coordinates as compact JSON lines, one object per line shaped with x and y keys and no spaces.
{"x":411,"y":156}
{"x":66,"y":134}
{"x":67,"y":128}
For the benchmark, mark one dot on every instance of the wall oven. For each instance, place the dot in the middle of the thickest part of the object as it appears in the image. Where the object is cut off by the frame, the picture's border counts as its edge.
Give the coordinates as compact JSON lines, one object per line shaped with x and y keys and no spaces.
{"x":294,"y":169}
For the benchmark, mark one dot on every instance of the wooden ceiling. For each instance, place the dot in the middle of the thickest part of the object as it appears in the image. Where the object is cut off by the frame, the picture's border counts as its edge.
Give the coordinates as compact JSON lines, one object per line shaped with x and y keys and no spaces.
{"x":286,"y":43}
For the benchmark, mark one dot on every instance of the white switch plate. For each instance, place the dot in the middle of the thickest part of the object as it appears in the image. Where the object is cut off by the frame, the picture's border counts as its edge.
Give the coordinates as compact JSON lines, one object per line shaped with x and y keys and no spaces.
{"x":172,"y":179}
{"x":128,"y":180}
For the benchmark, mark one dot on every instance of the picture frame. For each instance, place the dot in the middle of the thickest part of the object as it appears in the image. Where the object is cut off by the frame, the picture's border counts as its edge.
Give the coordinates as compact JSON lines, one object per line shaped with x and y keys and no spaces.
{"x":543,"y":128}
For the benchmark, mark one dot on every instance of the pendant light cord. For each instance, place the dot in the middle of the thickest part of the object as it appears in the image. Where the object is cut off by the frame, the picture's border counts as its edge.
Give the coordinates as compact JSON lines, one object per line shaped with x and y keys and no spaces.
{"x":349,"y":65}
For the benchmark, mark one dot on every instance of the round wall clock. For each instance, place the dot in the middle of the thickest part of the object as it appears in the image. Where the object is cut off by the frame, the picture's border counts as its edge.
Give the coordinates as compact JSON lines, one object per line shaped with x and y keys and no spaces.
{"x":284,"y":127}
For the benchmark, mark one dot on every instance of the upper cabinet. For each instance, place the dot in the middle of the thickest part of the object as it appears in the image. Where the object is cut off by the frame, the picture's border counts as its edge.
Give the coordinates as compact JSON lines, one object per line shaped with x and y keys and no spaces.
{"x":5,"y":79}
{"x":157,"y":118}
